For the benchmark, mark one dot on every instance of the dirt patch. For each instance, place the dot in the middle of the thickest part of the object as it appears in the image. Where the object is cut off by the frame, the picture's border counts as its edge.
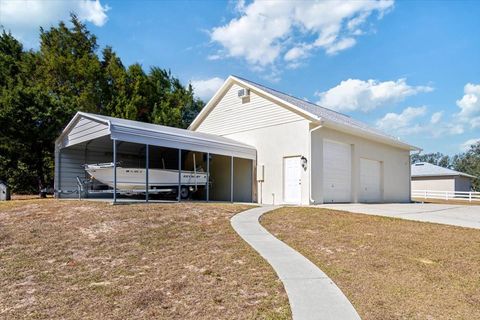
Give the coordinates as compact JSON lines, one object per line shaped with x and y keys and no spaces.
{"x":88,"y":260}
{"x":389,"y":268}
{"x":451,"y":201}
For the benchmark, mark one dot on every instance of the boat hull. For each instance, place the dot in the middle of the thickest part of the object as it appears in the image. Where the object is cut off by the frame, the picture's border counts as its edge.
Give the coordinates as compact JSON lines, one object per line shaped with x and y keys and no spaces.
{"x":134,"y":178}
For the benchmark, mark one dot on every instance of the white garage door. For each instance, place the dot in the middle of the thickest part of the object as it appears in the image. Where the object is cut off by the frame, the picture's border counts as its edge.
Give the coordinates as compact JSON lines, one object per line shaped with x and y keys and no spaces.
{"x":370,"y":181}
{"x":292,"y":191}
{"x":337,"y":172}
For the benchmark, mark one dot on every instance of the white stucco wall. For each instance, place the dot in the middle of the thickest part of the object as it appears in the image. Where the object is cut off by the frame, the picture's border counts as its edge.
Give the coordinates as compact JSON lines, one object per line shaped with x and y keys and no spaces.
{"x":273,"y":144}
{"x":277,"y":132}
{"x":395,"y":165}
{"x":273,"y":130}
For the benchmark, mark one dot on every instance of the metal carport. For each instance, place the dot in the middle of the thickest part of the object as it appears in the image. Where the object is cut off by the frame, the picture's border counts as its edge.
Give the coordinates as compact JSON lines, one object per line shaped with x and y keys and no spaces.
{"x":97,"y":138}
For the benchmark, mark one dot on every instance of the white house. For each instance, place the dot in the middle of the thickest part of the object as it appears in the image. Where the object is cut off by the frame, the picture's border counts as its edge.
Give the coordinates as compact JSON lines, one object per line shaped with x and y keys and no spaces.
{"x":427,"y":176}
{"x":307,"y":154}
{"x":253,"y":143}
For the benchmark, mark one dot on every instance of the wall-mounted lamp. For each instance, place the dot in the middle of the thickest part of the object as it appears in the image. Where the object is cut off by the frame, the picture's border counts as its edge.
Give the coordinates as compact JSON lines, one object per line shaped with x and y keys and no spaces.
{"x":304,"y":162}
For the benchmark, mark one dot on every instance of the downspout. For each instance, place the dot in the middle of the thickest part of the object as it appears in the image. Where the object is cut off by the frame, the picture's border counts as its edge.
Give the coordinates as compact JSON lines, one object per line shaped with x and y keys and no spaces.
{"x":312,"y":201}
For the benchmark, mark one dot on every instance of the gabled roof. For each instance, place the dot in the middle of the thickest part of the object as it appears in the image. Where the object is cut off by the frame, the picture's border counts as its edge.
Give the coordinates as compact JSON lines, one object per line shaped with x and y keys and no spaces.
{"x":425,"y":169}
{"x":309,"y":110}
{"x":154,"y":134}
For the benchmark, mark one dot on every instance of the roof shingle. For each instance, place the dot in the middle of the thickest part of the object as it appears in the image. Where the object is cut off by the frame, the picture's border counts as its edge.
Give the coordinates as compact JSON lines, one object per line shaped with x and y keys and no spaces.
{"x":320,"y":111}
{"x":425,"y":169}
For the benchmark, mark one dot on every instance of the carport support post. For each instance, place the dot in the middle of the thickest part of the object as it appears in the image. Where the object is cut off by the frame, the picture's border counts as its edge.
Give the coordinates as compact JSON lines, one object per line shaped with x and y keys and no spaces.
{"x":208,"y":177}
{"x":231,"y":179}
{"x":147,"y":164}
{"x":179,"y":173}
{"x":114,"y":171}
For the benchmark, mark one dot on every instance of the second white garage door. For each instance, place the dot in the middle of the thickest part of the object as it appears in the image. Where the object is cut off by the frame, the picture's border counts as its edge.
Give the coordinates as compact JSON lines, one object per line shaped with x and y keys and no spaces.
{"x":370,"y":181}
{"x":337,"y":172}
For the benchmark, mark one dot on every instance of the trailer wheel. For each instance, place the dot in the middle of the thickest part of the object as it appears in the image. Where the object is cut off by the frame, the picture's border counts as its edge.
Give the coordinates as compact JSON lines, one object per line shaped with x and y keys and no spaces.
{"x":184,"y":192}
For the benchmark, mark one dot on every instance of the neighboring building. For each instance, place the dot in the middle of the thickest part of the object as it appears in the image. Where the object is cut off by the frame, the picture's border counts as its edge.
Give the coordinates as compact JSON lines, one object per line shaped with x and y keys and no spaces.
{"x":4,"y":192}
{"x":427,"y":176}
{"x":307,"y":154}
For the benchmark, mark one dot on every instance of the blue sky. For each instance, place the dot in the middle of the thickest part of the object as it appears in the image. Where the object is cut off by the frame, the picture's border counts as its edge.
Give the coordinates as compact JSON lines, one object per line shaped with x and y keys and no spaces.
{"x":410,"y":68}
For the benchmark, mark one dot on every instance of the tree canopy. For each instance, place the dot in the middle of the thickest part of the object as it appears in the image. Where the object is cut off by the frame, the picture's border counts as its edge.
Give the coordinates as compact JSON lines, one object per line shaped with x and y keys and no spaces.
{"x":41,"y":90}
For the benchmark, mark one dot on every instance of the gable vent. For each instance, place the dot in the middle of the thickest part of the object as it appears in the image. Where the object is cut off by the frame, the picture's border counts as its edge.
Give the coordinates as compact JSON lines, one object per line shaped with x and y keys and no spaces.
{"x":243,"y":93}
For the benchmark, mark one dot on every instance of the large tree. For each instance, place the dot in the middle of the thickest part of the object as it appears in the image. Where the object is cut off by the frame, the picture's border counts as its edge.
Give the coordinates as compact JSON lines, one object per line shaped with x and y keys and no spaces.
{"x":469,"y":162}
{"x":25,"y":120}
{"x":435,"y":158}
{"x":40,"y":91}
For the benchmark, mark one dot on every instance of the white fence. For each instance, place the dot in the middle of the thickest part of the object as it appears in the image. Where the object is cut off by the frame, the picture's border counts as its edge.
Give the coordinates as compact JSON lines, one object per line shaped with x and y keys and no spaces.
{"x":446,"y":195}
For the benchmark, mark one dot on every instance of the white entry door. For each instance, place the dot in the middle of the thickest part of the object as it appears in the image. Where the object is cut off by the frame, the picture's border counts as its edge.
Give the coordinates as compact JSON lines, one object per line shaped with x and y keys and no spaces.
{"x":337,"y":172}
{"x":370,"y":181}
{"x":292,"y":182}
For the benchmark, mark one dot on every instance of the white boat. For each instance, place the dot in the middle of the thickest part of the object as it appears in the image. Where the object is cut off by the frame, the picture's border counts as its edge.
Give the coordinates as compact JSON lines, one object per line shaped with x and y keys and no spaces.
{"x":134,"y":178}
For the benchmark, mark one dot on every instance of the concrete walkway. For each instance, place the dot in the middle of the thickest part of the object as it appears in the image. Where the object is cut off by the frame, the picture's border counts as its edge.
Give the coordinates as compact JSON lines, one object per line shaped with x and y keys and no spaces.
{"x":312,"y":294}
{"x":455,"y":215}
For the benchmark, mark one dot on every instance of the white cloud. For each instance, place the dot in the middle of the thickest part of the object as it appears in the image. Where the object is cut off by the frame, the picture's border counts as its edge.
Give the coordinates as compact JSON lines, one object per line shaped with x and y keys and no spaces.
{"x":341,"y":45}
{"x":206,"y":88}
{"x":469,"y":106}
{"x":417,"y":120}
{"x":268,"y":30}
{"x":296,"y":53}
{"x":24,"y":17}
{"x":467,"y":144}
{"x":214,"y":57}
{"x":413,"y":120}
{"x":355,"y":94}
{"x":401,"y":122}
{"x":93,"y":12}
{"x":436,"y":117}
{"x":449,"y":128}
{"x":475,"y":122}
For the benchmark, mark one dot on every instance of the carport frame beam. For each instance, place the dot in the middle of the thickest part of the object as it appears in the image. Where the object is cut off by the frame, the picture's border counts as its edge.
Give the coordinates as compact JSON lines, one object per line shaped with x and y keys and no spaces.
{"x":114,"y":171}
{"x":231,"y":179}
{"x":179,"y":174}
{"x":208,"y":177}
{"x":147,"y":165}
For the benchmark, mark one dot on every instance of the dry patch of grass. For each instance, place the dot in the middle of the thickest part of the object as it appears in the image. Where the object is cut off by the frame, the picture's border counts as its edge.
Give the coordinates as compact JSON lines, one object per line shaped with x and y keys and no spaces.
{"x":27,"y":196}
{"x":86,"y":260}
{"x":451,"y":201}
{"x":389,"y":268}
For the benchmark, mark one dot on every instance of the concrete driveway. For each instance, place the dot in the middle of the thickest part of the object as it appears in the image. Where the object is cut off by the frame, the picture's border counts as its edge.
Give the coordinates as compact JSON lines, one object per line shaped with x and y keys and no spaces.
{"x":455,"y":215}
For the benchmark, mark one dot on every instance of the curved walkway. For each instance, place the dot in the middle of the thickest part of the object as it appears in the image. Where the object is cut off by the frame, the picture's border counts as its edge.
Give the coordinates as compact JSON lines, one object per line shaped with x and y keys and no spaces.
{"x":312,"y":294}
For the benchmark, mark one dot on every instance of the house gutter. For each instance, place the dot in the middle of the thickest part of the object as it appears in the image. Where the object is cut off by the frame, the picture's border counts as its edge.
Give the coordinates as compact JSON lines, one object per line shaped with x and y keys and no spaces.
{"x":312,"y":201}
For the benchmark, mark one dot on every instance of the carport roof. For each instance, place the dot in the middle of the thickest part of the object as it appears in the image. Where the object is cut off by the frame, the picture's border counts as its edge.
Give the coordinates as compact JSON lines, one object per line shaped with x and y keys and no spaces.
{"x":425,"y":169}
{"x":154,"y":134}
